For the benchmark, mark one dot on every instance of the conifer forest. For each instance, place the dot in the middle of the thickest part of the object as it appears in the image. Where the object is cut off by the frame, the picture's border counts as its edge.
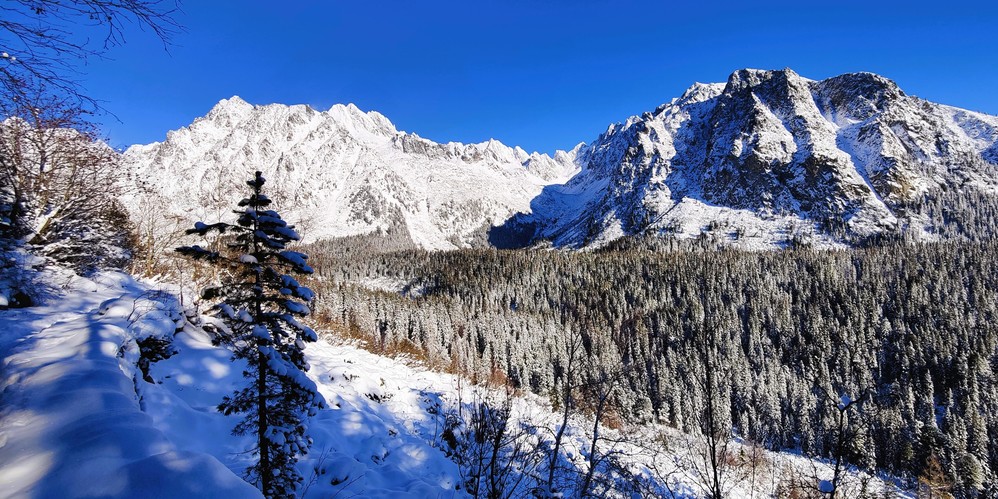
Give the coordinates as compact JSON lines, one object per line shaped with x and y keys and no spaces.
{"x":898,"y":340}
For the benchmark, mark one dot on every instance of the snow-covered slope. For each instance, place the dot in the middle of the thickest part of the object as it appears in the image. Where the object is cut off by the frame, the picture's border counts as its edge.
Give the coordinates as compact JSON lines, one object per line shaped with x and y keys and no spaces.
{"x":765,"y":157}
{"x":79,"y":419}
{"x":336,"y":173}
{"x":72,"y":423}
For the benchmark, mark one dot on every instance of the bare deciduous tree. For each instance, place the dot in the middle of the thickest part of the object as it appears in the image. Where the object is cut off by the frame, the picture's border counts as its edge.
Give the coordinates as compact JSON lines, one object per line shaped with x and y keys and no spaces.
{"x":496,"y":457}
{"x":711,"y":467}
{"x":567,"y":374}
{"x":57,"y":180}
{"x":599,"y":388}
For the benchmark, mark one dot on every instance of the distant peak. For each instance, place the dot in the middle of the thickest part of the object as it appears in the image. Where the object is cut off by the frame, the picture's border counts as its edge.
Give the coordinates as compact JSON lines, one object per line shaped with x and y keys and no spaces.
{"x":750,"y":78}
{"x":235,"y":99}
{"x":230,"y":110}
{"x":699,"y":92}
{"x":351,"y":115}
{"x":234,"y":102}
{"x":864,"y":84}
{"x":764,"y":73}
{"x":349,"y":108}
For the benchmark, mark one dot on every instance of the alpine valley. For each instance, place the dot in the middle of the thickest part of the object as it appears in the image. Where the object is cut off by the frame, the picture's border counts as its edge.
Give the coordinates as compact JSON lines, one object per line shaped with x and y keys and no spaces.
{"x":485,"y":322}
{"x":766,"y":159}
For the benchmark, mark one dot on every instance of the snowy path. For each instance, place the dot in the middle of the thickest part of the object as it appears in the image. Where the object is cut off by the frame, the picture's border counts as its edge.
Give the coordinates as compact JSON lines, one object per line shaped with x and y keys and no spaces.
{"x":70,"y":424}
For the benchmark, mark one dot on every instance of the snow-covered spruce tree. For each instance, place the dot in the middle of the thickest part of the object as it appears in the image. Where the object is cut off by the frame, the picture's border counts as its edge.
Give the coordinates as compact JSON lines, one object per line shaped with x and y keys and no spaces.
{"x":260,"y":303}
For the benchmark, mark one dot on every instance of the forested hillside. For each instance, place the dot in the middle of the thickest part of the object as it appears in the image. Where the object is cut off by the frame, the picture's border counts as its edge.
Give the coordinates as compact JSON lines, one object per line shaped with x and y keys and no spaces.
{"x":885,"y":357}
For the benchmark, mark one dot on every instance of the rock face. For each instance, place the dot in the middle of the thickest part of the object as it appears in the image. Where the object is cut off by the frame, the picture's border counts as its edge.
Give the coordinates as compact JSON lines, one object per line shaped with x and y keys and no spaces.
{"x":764,"y":158}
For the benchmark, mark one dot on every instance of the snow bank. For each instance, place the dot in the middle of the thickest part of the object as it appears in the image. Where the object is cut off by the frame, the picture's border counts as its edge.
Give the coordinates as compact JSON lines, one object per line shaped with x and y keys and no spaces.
{"x":72,"y":424}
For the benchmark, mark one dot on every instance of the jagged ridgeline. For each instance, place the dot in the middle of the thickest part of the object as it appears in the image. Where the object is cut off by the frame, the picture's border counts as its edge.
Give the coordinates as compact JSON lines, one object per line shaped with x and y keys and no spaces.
{"x":762,"y":160}
{"x":912,"y":328}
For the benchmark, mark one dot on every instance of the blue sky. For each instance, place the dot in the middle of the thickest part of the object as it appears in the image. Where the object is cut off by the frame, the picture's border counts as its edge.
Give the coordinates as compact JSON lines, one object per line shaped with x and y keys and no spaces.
{"x":544,"y":75}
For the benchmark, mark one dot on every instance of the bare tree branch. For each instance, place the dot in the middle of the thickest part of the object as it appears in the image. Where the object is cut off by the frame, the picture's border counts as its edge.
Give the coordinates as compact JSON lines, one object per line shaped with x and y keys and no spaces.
{"x":42,"y":42}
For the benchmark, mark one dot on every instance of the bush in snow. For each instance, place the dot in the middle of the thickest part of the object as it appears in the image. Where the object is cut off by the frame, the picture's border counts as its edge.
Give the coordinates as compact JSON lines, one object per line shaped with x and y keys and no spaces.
{"x":153,"y":349}
{"x":17,"y":281}
{"x":495,"y":450}
{"x":260,"y":304}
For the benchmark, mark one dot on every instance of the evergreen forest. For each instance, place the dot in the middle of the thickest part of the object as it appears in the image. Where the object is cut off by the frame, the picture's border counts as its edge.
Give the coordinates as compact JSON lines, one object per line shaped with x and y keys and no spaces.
{"x":881,"y":357}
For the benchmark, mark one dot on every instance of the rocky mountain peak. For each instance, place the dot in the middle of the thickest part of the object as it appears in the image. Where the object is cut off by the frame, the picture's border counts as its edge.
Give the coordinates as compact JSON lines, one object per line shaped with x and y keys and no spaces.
{"x":232,"y":104}
{"x":857,"y":96}
{"x":698,"y":92}
{"x":351,"y":117}
{"x":750,"y":79}
{"x":228,"y":112}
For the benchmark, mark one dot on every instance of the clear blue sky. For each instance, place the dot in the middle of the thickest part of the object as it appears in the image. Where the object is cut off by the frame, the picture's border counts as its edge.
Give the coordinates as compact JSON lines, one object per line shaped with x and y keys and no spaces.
{"x":540,"y":74}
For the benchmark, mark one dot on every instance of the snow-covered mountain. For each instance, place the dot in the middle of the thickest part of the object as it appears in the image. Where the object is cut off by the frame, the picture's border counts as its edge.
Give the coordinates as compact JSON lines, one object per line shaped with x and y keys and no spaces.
{"x":335,"y":173}
{"x":763,"y":158}
{"x":768,"y":154}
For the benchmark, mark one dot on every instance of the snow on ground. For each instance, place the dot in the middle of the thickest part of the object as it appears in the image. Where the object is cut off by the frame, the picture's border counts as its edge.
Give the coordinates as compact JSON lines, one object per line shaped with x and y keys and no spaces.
{"x":79,"y":420}
{"x":361,"y":445}
{"x":71,"y":424}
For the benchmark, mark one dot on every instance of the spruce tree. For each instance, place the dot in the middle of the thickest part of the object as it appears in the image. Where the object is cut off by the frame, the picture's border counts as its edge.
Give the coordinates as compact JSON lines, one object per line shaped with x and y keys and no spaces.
{"x":260,"y":303}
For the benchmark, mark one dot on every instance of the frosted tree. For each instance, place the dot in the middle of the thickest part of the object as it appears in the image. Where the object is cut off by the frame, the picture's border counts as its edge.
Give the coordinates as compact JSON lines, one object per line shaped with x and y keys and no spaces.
{"x":58,"y":184}
{"x":261,"y":303}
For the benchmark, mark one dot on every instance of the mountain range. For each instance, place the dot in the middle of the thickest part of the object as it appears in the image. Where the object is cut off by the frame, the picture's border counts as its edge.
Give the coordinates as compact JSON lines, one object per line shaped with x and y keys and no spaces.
{"x":765,"y":159}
